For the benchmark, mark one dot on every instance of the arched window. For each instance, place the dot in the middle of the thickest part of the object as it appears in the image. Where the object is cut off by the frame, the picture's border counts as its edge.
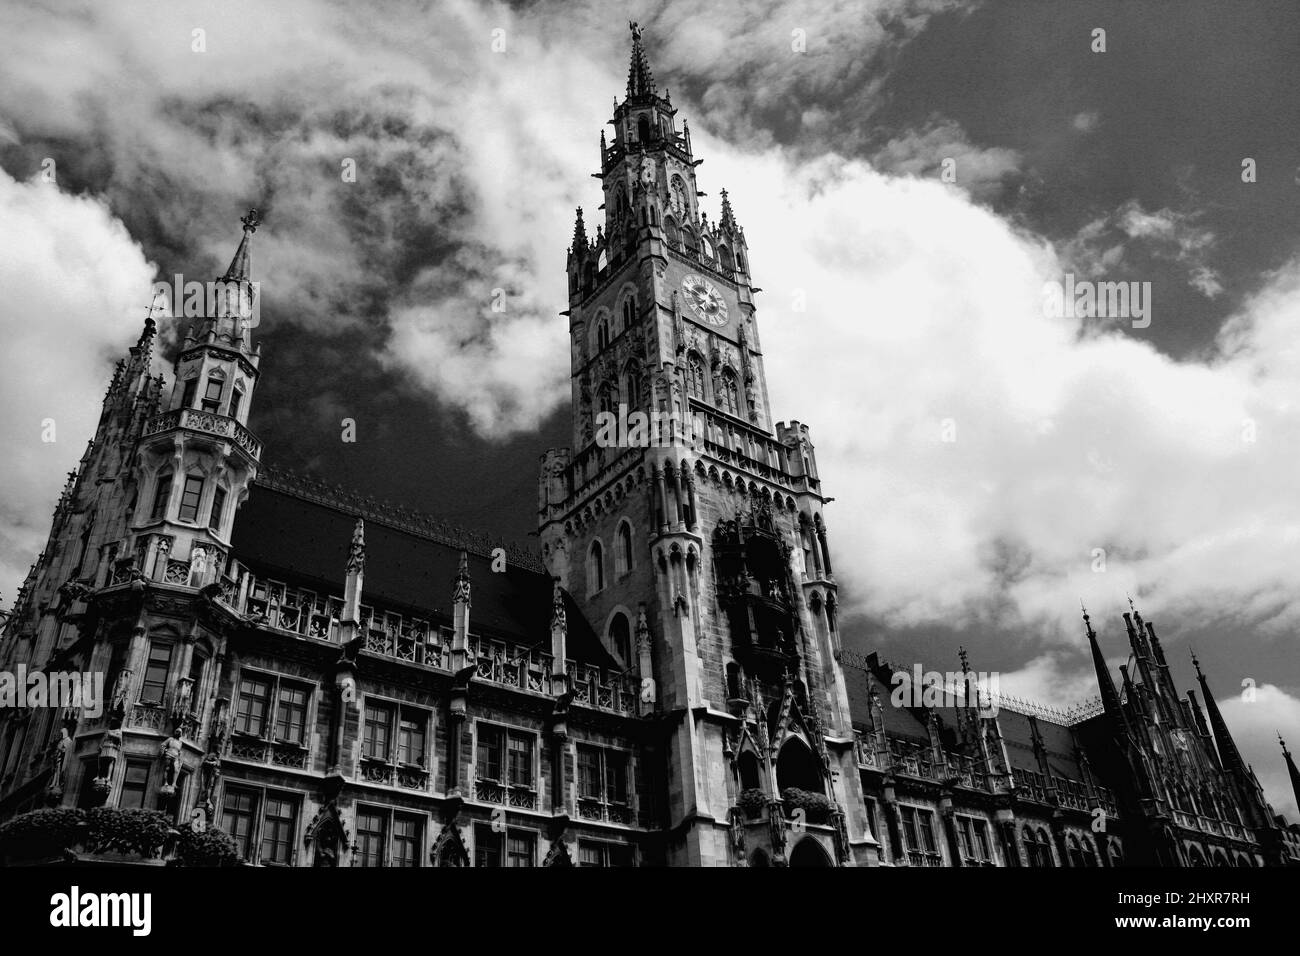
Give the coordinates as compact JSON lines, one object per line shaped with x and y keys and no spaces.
{"x":729,"y":400}
{"x":620,"y":637}
{"x":161,"y":496}
{"x":724,"y":256}
{"x":1076,"y":852}
{"x":1194,"y":856}
{"x":751,"y":777}
{"x":1089,"y":854}
{"x":695,"y":375}
{"x":680,"y":203}
{"x":605,"y":399}
{"x":631,"y":391}
{"x":629,"y":312}
{"x":595,"y":568}
{"x":643,"y":130}
{"x":808,"y":852}
{"x":740,"y":260}
{"x":706,"y":246}
{"x":602,"y":334}
{"x":1045,"y":844}
{"x":623,"y":549}
{"x":670,"y":230}
{"x":689,"y":240}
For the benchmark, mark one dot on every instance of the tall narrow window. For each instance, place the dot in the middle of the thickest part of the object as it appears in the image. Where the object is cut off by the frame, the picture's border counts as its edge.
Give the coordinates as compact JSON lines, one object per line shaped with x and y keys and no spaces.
{"x":291,"y":716}
{"x":155,"y":673}
{"x":408,"y":835}
{"x":595,"y":568}
{"x":623,"y":549}
{"x":134,"y":784}
{"x":277,"y":830}
{"x":254,"y":702}
{"x":729,"y":400}
{"x":620,"y":637}
{"x":236,"y":399}
{"x":190,"y":495}
{"x":188,"y":393}
{"x":379,"y":731}
{"x":161,"y":496}
{"x":490,"y":746}
{"x":371,"y":831}
{"x":695,"y":375}
{"x":410,"y":738}
{"x":212,"y":394}
{"x":589,"y":782}
{"x":237,"y":814}
{"x":487,"y":846}
{"x":520,"y":755}
{"x":218,"y":509}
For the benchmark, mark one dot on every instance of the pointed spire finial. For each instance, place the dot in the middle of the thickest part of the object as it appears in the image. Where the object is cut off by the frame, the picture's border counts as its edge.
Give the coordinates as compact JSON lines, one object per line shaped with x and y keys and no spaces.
{"x":460,"y":594}
{"x":238,"y":270}
{"x":357,"y":551}
{"x":640,"y":81}
{"x":965,"y":659}
{"x":559,"y":616}
{"x":579,"y":235}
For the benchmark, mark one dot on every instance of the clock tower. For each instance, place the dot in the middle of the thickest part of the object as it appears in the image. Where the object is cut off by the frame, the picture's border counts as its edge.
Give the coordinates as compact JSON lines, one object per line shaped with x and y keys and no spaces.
{"x":692,"y":535}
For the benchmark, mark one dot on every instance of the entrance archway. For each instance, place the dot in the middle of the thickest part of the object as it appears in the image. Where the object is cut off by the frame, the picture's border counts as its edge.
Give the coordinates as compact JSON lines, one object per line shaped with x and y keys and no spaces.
{"x":808,"y":852}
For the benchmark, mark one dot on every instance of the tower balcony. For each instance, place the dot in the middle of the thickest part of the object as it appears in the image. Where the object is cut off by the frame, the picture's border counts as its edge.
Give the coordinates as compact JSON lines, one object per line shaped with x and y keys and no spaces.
{"x":206,"y":423}
{"x":762,"y":627}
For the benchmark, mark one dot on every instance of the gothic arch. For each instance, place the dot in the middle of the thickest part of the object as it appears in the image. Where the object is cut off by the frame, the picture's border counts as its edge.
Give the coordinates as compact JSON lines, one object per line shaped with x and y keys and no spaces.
{"x":329,"y":835}
{"x":624,"y":557}
{"x":449,"y":848}
{"x":809,"y":852}
{"x":750,"y":770}
{"x":618,"y":632}
{"x":760,"y":858}
{"x":595,"y":567}
{"x":797,"y":766}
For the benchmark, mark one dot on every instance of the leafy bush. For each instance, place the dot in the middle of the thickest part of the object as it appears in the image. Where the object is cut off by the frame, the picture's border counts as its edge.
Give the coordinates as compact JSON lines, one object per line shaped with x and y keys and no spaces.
{"x":212,"y":847}
{"x":141,"y":832}
{"x":816,"y":808}
{"x":42,"y":832}
{"x":752,"y":801}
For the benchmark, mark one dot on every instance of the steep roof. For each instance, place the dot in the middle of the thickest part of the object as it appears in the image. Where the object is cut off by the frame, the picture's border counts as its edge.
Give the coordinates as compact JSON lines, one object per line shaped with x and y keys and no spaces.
{"x":300,"y":536}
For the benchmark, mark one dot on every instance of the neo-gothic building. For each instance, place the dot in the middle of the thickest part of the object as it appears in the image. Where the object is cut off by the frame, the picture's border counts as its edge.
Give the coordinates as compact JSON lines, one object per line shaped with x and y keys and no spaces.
{"x":334,"y":682}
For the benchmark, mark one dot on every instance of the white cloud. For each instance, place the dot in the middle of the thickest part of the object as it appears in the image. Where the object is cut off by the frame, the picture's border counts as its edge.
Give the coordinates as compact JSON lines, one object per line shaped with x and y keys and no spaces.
{"x":75,"y":291}
{"x":1255,"y":724}
{"x":1087,"y":121}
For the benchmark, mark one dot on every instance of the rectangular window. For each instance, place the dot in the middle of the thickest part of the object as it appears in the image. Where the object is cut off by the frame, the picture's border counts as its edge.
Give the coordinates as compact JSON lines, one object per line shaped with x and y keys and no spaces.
{"x":371,"y":832}
{"x":615,"y":777}
{"x":521,"y":760}
{"x":982,"y":840}
{"x":487,"y":846}
{"x":489,"y":752}
{"x":187,"y":396}
{"x":410,"y":738}
{"x":196,"y":681}
{"x":871,"y":818}
{"x":254,"y":699}
{"x":408,"y":836}
{"x":277,"y":830}
{"x":589,"y":776}
{"x":927,"y":830}
{"x":218,"y":509}
{"x":909,"y":828}
{"x":236,"y":399}
{"x":212,"y":394}
{"x":155,"y":673}
{"x":291,"y":717}
{"x":134,"y":784}
{"x":237,"y":814}
{"x":521,"y":848}
{"x":161,"y":496}
{"x":591,"y":853}
{"x":379,"y":731}
{"x":190,"y":496}
{"x":965,"y":838}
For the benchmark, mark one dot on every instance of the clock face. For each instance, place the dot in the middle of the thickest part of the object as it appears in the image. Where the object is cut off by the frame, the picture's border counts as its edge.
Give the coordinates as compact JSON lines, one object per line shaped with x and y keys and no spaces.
{"x":704,"y":299}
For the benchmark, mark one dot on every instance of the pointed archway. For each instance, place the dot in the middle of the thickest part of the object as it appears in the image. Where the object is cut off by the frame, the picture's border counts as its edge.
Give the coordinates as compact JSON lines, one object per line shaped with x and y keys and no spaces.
{"x":809,"y":852}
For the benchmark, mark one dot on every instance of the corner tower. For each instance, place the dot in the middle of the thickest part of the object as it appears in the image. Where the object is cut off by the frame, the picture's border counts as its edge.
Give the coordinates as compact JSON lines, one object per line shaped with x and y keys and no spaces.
{"x":685,"y":523}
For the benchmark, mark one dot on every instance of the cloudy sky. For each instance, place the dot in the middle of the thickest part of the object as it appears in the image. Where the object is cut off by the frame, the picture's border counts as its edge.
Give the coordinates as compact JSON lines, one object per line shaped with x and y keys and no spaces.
{"x":1091,"y":459}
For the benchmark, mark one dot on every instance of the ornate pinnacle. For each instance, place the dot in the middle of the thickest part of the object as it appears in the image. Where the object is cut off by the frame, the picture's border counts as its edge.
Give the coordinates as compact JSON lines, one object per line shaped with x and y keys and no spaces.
{"x":357,"y":551}
{"x":252,"y":220}
{"x":728,"y":217}
{"x":559,"y":617}
{"x":965,"y":659}
{"x":579,"y":235}
{"x":640,"y":81}
{"x":460,"y":593}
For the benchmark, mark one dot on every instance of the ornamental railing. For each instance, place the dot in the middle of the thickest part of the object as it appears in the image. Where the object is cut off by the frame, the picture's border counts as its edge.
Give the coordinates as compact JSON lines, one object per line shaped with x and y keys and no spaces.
{"x":207,"y":423}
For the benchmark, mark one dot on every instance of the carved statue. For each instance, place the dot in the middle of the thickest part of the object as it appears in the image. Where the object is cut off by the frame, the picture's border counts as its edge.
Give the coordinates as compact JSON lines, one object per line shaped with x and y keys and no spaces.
{"x":171,"y":755}
{"x":59,"y":759}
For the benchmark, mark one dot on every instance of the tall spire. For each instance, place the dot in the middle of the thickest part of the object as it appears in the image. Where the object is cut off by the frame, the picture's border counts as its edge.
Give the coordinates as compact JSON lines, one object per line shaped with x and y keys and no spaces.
{"x":239,"y":265}
{"x":579,"y":235}
{"x":1228,"y":753}
{"x":1109,"y":697}
{"x":640,"y":81}
{"x":1291,"y":769}
{"x":728,"y":220}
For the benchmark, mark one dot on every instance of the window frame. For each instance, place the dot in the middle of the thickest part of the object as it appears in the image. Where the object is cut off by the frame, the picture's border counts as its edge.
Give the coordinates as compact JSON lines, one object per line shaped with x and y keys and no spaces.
{"x":397,"y":711}
{"x":143,"y":766}
{"x":488,"y":840}
{"x":261,"y":797}
{"x":270,"y":720}
{"x":194,"y":509}
{"x":145,"y":683}
{"x":162,"y":496}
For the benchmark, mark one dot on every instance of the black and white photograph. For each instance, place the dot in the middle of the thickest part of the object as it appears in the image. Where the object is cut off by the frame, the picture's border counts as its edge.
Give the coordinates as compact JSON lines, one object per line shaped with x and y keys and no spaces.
{"x":662,"y":435}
